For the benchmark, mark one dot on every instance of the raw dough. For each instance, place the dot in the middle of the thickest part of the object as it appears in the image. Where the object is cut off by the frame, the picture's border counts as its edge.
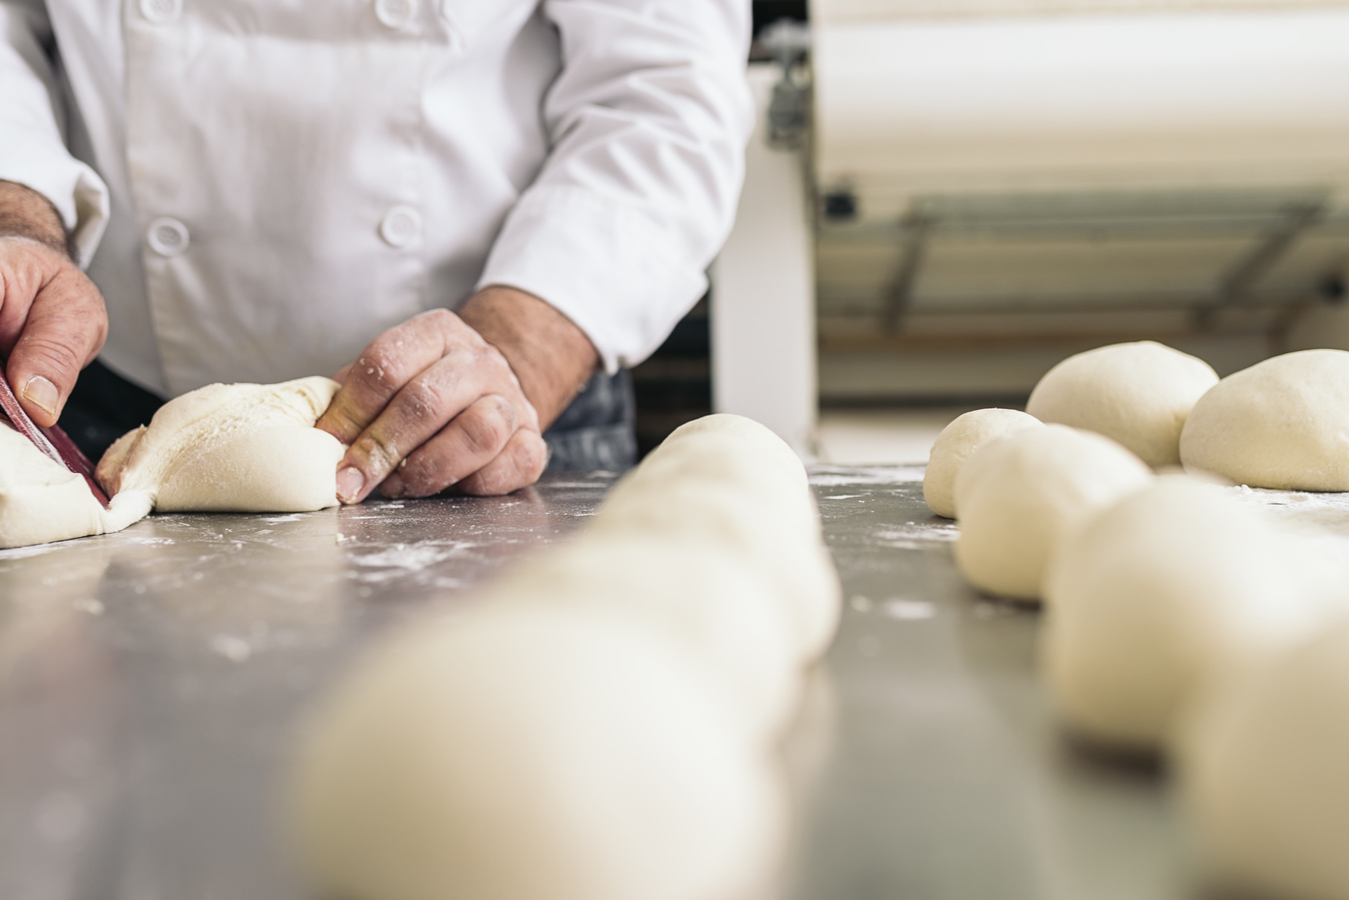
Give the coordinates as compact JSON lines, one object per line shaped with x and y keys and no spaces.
{"x":1138,"y":394}
{"x":957,"y":443}
{"x":1166,"y":593}
{"x":1021,"y":495}
{"x":720,"y":609}
{"x":235,"y":448}
{"x":529,"y":754}
{"x":1263,"y":775}
{"x":1282,"y":423}
{"x":41,"y":500}
{"x":227,"y":447}
{"x":602,"y":726}
{"x":713,"y":487}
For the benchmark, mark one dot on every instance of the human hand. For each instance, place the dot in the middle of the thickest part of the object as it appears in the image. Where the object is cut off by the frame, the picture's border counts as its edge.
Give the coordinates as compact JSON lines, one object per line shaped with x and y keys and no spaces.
{"x":430,"y":404}
{"x":52,"y":318}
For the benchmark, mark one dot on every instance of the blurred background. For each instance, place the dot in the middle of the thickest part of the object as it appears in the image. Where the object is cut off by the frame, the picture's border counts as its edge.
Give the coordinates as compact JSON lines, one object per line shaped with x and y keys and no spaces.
{"x":946,"y":197}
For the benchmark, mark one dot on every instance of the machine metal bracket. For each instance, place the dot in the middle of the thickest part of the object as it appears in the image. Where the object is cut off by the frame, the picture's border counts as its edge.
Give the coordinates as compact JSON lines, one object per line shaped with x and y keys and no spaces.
{"x":789,"y":110}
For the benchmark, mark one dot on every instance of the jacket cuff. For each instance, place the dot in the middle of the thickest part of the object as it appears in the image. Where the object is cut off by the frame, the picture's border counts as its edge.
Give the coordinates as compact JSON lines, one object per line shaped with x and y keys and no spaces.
{"x":75,"y":189}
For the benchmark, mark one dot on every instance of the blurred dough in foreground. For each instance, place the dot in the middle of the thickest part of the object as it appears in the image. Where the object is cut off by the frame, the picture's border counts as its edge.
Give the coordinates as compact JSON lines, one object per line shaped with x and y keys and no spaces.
{"x":1263,"y":775}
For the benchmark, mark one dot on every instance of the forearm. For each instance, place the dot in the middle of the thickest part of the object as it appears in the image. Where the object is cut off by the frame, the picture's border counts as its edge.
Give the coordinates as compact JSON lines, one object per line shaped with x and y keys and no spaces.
{"x":26,"y":213}
{"x":550,"y":355}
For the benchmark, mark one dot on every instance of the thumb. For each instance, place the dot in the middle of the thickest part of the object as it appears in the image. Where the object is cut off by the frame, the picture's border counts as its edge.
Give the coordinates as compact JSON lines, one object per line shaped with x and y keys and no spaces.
{"x":64,"y":330}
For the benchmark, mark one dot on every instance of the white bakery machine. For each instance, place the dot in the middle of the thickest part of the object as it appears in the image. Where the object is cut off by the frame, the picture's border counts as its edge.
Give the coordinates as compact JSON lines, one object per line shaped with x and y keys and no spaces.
{"x":954,"y":194}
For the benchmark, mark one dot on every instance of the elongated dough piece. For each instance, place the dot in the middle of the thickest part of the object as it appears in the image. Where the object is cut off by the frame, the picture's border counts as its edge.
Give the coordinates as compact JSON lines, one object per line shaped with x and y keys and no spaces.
{"x":600,"y":726}
{"x":233,"y":448}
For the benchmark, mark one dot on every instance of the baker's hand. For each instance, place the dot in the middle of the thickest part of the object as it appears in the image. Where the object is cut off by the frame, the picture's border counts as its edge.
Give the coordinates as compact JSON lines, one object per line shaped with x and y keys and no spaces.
{"x":52,"y":318}
{"x":429,"y":404}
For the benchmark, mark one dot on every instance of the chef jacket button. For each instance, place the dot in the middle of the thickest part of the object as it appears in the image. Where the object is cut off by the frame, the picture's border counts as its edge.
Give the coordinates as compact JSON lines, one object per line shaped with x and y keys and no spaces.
{"x":393,"y":13}
{"x":161,"y":11}
{"x":402,"y":227}
{"x":167,"y":237}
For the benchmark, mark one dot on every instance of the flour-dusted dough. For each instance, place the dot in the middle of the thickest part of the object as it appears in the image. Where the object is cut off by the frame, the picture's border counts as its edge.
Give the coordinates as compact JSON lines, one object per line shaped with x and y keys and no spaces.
{"x":1139,"y":394}
{"x":716,"y":488}
{"x":1162,"y":596}
{"x":1022,"y":494}
{"x":723,"y":612}
{"x":957,"y":443}
{"x":233,"y":447}
{"x":41,"y":500}
{"x":530,"y":754}
{"x":1282,"y":423}
{"x":1263,"y":776}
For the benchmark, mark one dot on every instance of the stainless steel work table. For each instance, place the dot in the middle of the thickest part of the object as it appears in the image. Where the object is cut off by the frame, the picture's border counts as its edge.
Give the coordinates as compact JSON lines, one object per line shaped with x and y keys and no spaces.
{"x":149,"y":682}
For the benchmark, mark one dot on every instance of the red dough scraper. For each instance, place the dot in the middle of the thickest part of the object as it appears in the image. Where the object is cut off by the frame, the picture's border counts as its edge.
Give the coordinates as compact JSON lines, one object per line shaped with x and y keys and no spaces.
{"x":53,"y":442}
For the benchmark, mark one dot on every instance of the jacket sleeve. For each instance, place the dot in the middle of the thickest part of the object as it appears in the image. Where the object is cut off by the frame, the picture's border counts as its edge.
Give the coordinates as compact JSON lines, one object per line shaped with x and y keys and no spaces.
{"x":32,"y":126}
{"x":648,"y":121}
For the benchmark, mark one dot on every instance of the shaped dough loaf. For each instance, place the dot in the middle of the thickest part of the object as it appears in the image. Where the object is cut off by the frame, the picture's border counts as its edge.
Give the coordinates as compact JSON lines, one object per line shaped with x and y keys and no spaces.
{"x":233,"y":448}
{"x":1021,"y":495}
{"x":1138,"y":394}
{"x":957,"y":443}
{"x":1282,"y":423}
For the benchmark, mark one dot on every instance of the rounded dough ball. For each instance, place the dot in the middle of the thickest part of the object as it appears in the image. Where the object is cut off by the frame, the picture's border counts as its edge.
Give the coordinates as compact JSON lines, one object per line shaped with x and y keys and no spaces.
{"x":1138,"y":394}
{"x":956,"y":443}
{"x":1160,"y":596}
{"x":1022,"y":494}
{"x":518,"y":754}
{"x":1282,"y":423}
{"x":723,"y":612}
{"x":1263,"y":778}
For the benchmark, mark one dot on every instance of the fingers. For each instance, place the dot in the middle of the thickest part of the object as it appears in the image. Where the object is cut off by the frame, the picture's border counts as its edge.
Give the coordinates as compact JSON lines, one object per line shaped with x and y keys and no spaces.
{"x":428,"y":404}
{"x":386,"y":365}
{"x":475,"y":438}
{"x":520,"y":464}
{"x":443,"y":393}
{"x":52,"y":323}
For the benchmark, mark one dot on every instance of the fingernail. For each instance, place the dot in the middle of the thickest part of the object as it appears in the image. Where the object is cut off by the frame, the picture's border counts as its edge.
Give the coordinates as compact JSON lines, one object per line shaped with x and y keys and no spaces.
{"x":41,"y":392}
{"x":349,"y":484}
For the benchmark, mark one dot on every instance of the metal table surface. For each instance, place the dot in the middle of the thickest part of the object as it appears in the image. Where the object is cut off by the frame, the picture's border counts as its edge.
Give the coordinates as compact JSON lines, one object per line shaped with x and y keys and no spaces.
{"x":149,"y":682}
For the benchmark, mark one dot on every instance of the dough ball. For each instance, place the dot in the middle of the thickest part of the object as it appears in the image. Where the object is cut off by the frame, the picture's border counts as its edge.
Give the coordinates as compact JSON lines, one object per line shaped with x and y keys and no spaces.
{"x":954,"y":446}
{"x":233,"y":448}
{"x":724,"y":613}
{"x":1263,"y":776}
{"x":1138,"y":394}
{"x":522,"y":754}
{"x":1163,"y":594}
{"x":1021,"y":495}
{"x":1282,"y":423}
{"x":718,"y":488}
{"x":41,"y":500}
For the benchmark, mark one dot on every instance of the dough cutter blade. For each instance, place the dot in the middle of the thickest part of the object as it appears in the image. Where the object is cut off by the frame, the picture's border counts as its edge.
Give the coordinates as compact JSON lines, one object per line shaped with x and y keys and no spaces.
{"x":53,"y":442}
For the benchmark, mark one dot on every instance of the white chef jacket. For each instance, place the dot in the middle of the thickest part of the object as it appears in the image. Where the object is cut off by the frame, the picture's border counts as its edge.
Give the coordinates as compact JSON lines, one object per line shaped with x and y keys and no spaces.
{"x":260,"y":187}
